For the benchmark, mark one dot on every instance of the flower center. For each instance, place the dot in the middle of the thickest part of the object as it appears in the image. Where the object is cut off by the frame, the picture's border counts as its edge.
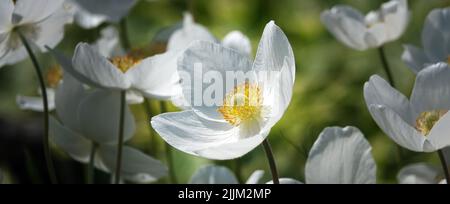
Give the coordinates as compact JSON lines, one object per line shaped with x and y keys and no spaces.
{"x":54,"y":75}
{"x":448,"y":59}
{"x":242,"y":104}
{"x":124,"y":63}
{"x":426,"y":120}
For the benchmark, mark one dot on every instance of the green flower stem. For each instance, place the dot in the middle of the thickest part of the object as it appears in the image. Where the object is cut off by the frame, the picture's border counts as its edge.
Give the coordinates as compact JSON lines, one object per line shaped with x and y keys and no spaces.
{"x":271,"y":160}
{"x":444,"y":166}
{"x":386,"y":66}
{"x":91,"y":169}
{"x":173,"y":178}
{"x":124,"y":35}
{"x":47,"y":154}
{"x":120,"y":139}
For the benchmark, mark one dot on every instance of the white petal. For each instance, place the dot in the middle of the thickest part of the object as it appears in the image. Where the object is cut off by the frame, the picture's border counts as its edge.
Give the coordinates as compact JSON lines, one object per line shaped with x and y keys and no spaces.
{"x":51,"y":30}
{"x":396,"y":17}
{"x":32,"y":11}
{"x":431,"y":89}
{"x":6,"y":10}
{"x":341,"y":156}
{"x":255,"y":177}
{"x":419,"y":173}
{"x":347,"y":25}
{"x":86,"y":19}
{"x":99,"y":115}
{"x":75,"y":145}
{"x":213,"y":175}
{"x":11,"y":57}
{"x":97,"y":68}
{"x":286,"y":181}
{"x":136,"y":166}
{"x":68,"y":96}
{"x":209,"y":58}
{"x":108,"y":45}
{"x":156,"y":76}
{"x":398,"y":130}
{"x":113,"y":9}
{"x":36,"y":103}
{"x":66,"y":64}
{"x":414,"y":57}
{"x":435,"y":34}
{"x":189,"y":33}
{"x":378,"y":92}
{"x":238,"y":41}
{"x":438,"y":135}
{"x":134,"y":97}
{"x":275,"y":58}
{"x":188,"y":133}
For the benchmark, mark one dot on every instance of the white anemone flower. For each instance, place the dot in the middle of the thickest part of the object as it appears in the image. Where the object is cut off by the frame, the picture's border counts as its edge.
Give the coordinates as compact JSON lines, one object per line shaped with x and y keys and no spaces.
{"x":90,"y":14}
{"x":435,"y":41}
{"x":361,"y":32}
{"x":41,"y":22}
{"x":340,"y":156}
{"x":92,"y":120}
{"x":152,"y":77}
{"x":212,"y":174}
{"x":190,"y":32}
{"x":420,"y":173}
{"x":227,"y":130}
{"x":420,"y":124}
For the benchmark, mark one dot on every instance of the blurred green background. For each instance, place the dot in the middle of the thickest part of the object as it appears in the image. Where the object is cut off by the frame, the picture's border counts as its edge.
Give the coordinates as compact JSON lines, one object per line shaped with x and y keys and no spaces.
{"x":328,"y":88}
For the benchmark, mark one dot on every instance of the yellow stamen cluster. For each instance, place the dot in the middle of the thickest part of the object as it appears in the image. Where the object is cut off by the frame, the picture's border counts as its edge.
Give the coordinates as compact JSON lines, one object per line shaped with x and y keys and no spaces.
{"x":242,"y":104}
{"x":54,"y":76}
{"x":426,"y":120}
{"x":124,"y":63}
{"x":448,"y":59}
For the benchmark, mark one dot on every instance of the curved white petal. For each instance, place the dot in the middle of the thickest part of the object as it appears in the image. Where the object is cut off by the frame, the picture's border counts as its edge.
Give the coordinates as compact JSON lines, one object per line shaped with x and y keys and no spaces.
{"x":347,"y":25}
{"x":92,"y":65}
{"x":188,"y":133}
{"x":6,"y":11}
{"x":398,"y":130}
{"x":431,"y":89}
{"x":419,"y":173}
{"x":114,"y":10}
{"x":86,"y":19}
{"x":286,"y":181}
{"x":35,"y":103}
{"x":189,"y":33}
{"x":255,"y":177}
{"x":415,"y":58}
{"x":32,"y":11}
{"x":435,"y":34}
{"x":136,"y":166}
{"x":213,"y":175}
{"x":438,"y":135}
{"x":275,"y":66}
{"x":75,"y":145}
{"x":207,"y":59}
{"x":396,"y":17}
{"x":66,"y":65}
{"x":156,"y":76}
{"x":51,"y":30}
{"x":238,"y":41}
{"x":341,"y":156}
{"x":134,"y":97}
{"x":378,"y":92}
{"x":99,"y":115}
{"x":11,"y":56}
